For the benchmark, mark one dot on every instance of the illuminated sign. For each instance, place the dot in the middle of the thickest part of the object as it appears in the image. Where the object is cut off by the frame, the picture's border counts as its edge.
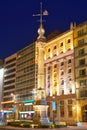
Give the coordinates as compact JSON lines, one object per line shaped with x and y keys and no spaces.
{"x":53,"y":105}
{"x":26,"y":112}
{"x":14,"y":109}
{"x":27,"y":104}
{"x":28,"y":101}
{"x":7,"y":112}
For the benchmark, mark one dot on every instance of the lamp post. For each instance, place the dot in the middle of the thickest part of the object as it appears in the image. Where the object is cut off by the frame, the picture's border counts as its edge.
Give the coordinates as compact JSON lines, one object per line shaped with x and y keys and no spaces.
{"x":53,"y":116}
{"x":14,"y":106}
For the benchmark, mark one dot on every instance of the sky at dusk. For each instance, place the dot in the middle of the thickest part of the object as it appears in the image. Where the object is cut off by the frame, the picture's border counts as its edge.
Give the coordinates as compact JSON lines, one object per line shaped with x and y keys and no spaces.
{"x":18,"y":27}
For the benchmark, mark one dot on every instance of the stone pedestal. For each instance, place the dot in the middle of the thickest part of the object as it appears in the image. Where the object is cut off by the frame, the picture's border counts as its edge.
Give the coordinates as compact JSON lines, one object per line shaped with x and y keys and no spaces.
{"x":41,"y":112}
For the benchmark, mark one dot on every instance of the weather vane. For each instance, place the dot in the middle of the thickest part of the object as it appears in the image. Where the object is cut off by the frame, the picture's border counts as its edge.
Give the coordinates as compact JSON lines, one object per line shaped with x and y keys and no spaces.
{"x":42,"y":13}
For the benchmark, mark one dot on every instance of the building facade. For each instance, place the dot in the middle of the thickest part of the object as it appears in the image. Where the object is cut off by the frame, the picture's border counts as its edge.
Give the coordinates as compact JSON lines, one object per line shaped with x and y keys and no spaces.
{"x":9,"y":85}
{"x":26,"y":81}
{"x":59,"y":76}
{"x":80,"y":45}
{"x":1,"y":82}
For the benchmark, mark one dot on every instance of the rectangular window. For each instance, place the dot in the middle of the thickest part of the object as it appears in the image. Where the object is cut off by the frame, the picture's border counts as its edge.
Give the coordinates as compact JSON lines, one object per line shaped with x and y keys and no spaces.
{"x":80,"y":32}
{"x":83,"y":93}
{"x":55,"y":47}
{"x":61,"y":102}
{"x":70,"y":108}
{"x":69,"y":71}
{"x":69,"y":61}
{"x":62,"y":73}
{"x":81,"y":42}
{"x":62,"y":111}
{"x":81,"y":52}
{"x":70,"y":111}
{"x":82,"y":62}
{"x":62,"y":108}
{"x":70,"y":101}
{"x":48,"y":68}
{"x":62,"y":82}
{"x":55,"y":66}
{"x":82,"y":72}
{"x":83,"y":83}
{"x":62,"y":63}
{"x":49,"y":50}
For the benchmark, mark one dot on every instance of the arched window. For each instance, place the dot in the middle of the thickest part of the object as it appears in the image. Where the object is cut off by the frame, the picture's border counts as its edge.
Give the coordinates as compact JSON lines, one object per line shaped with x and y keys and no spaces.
{"x":49,"y":50}
{"x":54,"y":47}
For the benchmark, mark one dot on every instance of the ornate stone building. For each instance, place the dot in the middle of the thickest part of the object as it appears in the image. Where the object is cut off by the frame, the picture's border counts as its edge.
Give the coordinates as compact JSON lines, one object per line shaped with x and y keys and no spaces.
{"x":59,"y":76}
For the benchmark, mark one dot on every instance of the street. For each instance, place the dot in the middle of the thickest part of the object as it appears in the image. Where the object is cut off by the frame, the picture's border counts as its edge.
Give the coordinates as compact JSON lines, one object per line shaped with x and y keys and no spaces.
{"x":66,"y":128}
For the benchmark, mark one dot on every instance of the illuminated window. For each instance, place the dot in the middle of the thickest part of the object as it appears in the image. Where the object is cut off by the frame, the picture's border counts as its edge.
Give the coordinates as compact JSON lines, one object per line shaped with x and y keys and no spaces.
{"x":70,"y":108}
{"x":62,"y":108}
{"x":22,"y":116}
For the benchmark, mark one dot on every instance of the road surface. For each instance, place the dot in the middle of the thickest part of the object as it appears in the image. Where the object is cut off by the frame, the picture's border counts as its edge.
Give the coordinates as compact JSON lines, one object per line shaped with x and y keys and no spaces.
{"x":66,"y":128}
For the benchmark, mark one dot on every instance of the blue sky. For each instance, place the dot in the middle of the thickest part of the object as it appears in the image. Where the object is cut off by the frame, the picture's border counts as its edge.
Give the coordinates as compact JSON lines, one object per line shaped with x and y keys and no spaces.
{"x":18,"y":27}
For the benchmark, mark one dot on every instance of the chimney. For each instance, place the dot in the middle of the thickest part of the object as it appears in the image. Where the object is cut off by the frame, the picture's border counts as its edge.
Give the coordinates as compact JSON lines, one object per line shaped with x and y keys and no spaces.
{"x":71,"y":26}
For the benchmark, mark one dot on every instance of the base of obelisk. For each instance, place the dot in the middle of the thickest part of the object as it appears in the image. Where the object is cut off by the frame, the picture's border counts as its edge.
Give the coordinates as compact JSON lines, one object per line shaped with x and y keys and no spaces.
{"x":41,"y":114}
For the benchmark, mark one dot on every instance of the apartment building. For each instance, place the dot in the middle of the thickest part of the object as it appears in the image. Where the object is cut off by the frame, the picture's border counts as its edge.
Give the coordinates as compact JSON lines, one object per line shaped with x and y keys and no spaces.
{"x":9,"y":83}
{"x":80,"y":48}
{"x":26,"y":81}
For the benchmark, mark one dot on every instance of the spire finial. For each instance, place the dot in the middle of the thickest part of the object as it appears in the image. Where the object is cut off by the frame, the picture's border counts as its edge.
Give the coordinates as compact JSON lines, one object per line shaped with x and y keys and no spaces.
{"x":41,"y":14}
